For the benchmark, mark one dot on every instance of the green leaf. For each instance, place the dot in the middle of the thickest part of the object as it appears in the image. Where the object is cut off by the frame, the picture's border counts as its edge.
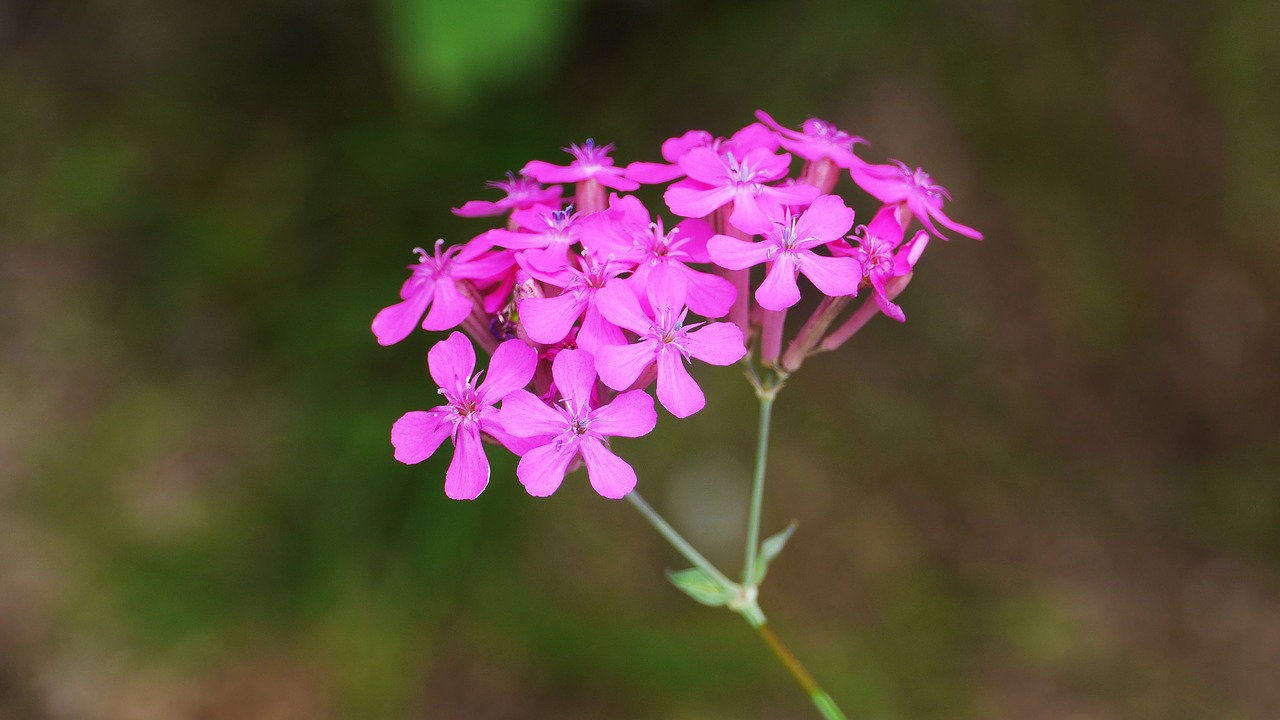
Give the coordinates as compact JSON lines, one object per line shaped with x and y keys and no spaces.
{"x":769,"y":550}
{"x":702,"y":587}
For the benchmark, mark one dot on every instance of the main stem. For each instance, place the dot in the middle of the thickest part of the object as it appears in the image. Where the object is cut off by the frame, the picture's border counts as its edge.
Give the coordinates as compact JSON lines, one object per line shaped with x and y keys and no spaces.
{"x":767,"y":393}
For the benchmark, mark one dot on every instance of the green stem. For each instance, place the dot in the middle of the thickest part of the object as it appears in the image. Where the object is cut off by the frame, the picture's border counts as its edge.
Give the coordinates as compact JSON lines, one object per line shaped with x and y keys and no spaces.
{"x":677,"y":541}
{"x":767,"y":393}
{"x":820,"y":698}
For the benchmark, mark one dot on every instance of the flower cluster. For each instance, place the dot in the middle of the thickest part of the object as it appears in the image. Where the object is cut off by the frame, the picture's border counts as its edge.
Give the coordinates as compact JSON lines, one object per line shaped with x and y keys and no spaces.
{"x":586,"y":304}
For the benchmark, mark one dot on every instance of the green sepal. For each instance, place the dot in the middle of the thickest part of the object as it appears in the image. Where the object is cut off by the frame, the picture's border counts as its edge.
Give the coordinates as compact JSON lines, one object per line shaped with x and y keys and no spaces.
{"x":769,"y":550}
{"x":702,"y":587}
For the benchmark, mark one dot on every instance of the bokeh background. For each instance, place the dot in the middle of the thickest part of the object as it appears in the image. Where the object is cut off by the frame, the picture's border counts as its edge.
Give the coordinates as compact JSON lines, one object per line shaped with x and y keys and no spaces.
{"x":1053,"y":493}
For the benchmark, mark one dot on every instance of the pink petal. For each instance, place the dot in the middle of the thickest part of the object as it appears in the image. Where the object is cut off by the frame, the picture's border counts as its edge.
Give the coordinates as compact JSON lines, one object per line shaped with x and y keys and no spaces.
{"x":711,"y":296}
{"x":705,"y":166}
{"x":779,"y":290}
{"x":631,"y":414}
{"x":479,"y":208}
{"x":545,"y":172}
{"x":834,"y":276}
{"x":667,"y":290}
{"x":885,"y":225}
{"x":950,"y":224}
{"x":596,"y":331}
{"x":716,"y":343}
{"x":734,"y":254}
{"x":549,"y":320}
{"x":393,"y":324}
{"x":468,"y":474}
{"x":524,"y":415}
{"x":828,"y":218}
{"x":882,"y":182}
{"x":749,"y":215}
{"x":448,"y":308}
{"x":653,"y":173}
{"x":693,"y":234}
{"x":696,"y":199}
{"x":792,"y":195}
{"x":451,"y":361}
{"x":511,"y":368}
{"x":755,"y":136}
{"x":620,"y":365}
{"x":614,"y":178}
{"x":677,"y":391}
{"x":494,"y":426}
{"x":619,"y":306}
{"x":609,"y":474}
{"x":542,"y":469}
{"x":574,"y":372}
{"x":417,"y":435}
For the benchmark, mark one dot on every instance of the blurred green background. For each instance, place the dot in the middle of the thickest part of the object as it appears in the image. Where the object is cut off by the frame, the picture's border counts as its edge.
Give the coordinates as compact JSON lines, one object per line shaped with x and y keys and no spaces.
{"x":1053,"y":493}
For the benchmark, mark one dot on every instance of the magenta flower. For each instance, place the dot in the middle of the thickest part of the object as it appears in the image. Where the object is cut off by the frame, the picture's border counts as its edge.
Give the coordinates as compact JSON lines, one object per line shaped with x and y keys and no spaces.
{"x":882,"y":259}
{"x":522,"y":192}
{"x":468,"y":413}
{"x":789,"y":245}
{"x":546,"y":234}
{"x":896,"y":184}
{"x":745,"y":140}
{"x":589,"y":163}
{"x":574,"y":428}
{"x":817,"y":140}
{"x":717,"y":180}
{"x":434,"y":285}
{"x":625,"y":232}
{"x":548,"y":320}
{"x":666,"y":340}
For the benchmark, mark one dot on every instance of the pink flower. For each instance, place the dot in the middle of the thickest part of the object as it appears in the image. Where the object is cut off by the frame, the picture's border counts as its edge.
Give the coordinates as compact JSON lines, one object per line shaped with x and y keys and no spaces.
{"x":788,"y":244}
{"x":896,"y":184}
{"x":589,"y":163}
{"x":434,"y":285}
{"x":664,"y":339}
{"x":548,"y":320}
{"x":546,"y":233}
{"x":882,"y":259}
{"x":745,"y":140}
{"x":574,"y":428}
{"x":625,"y":232}
{"x":468,"y":413}
{"x":717,"y":180}
{"x":817,"y":140}
{"x":522,"y":192}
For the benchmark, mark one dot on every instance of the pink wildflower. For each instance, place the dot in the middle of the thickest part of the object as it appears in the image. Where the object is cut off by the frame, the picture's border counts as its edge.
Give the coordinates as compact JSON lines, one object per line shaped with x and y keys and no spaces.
{"x":896,"y":184}
{"x":626,"y":233}
{"x":666,"y":340}
{"x":817,"y":140}
{"x":717,"y":180}
{"x":589,"y":163}
{"x":434,"y":285}
{"x":545,"y":233}
{"x":789,"y":245}
{"x":882,"y":259}
{"x":522,"y":192}
{"x":548,"y":320}
{"x":468,"y":413}
{"x":574,"y":428}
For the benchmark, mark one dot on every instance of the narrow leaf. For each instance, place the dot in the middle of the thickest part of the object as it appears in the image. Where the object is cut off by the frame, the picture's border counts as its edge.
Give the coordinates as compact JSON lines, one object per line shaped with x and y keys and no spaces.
{"x":769,"y":550}
{"x":702,"y":587}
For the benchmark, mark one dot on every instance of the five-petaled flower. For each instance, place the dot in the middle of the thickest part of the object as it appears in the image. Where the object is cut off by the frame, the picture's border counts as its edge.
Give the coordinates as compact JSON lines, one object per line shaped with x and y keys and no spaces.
{"x":434,"y":285}
{"x":577,"y":426}
{"x":666,"y":340}
{"x":468,"y":412}
{"x":897,"y":184}
{"x":788,"y":246}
